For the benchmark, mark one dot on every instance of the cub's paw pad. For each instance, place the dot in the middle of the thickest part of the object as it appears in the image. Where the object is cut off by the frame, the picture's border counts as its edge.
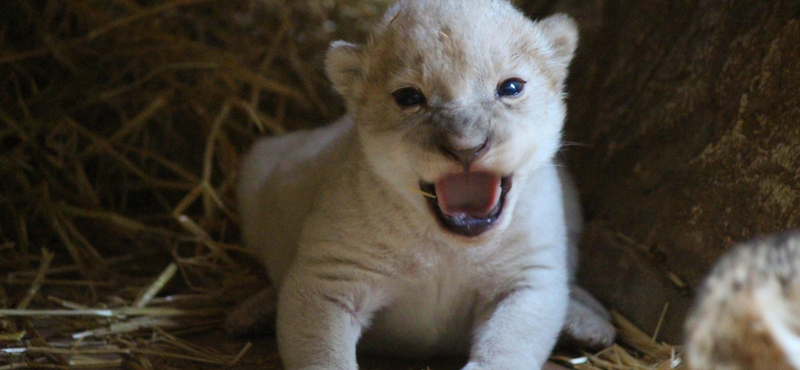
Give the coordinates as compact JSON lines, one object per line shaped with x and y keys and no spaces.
{"x":587,"y":326}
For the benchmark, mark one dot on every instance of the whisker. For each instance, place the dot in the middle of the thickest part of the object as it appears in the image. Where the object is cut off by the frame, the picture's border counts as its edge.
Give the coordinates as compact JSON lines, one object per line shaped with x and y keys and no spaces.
{"x":574,"y":143}
{"x":424,"y":193}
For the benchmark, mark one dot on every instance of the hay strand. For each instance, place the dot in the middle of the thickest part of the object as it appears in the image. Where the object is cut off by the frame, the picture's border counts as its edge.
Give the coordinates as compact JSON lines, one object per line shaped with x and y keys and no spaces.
{"x":47,"y":258}
{"x":121,"y":22}
{"x":156,"y":286}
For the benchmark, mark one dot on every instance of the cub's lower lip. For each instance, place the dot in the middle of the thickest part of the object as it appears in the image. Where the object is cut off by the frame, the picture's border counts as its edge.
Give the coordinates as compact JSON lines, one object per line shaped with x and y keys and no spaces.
{"x":463,"y":224}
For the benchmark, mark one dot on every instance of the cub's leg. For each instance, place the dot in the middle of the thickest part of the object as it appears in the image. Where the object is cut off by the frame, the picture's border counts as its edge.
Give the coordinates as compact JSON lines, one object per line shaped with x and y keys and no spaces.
{"x":517,"y":328}
{"x":322,"y":310}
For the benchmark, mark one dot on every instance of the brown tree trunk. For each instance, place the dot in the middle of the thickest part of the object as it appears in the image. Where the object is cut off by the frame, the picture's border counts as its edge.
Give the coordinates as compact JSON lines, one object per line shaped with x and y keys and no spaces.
{"x":685,"y":117}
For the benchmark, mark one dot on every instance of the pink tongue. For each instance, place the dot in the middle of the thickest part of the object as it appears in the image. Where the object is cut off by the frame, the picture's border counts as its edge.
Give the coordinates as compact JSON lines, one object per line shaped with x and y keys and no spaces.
{"x":470,"y":194}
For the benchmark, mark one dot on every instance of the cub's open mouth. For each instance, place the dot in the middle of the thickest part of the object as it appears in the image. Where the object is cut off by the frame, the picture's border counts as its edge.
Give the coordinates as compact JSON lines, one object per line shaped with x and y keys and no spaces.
{"x":468,"y":203}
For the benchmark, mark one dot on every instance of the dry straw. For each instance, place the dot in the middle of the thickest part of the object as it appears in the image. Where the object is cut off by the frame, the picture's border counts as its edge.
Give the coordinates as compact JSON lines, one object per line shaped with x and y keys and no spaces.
{"x":122,"y":123}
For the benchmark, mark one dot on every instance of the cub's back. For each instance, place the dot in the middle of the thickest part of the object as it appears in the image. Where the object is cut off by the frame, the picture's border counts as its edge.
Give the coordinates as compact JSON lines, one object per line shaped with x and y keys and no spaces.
{"x":281,"y":179}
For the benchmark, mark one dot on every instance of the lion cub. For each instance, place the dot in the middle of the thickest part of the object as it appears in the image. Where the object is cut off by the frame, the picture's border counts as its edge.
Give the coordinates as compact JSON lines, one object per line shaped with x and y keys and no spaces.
{"x":429,"y":220}
{"x":747,"y":316}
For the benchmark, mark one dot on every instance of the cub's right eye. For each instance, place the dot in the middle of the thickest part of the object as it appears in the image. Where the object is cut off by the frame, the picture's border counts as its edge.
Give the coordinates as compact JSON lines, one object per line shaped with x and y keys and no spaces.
{"x":409,"y":97}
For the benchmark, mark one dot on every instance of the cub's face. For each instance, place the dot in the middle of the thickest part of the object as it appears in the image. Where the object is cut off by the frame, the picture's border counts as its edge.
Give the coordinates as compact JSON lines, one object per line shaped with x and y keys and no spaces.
{"x":461,"y":100}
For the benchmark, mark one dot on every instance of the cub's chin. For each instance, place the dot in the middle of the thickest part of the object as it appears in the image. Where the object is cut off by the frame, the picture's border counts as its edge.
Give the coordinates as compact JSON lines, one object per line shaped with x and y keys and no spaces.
{"x":468,"y":203}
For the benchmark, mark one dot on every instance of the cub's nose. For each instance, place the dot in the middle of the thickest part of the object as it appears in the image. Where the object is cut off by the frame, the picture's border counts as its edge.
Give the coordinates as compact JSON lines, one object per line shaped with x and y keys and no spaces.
{"x":465,"y":156}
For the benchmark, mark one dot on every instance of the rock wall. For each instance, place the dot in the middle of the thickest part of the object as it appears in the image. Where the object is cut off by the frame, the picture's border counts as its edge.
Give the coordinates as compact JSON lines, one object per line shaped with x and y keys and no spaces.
{"x":684,"y":135}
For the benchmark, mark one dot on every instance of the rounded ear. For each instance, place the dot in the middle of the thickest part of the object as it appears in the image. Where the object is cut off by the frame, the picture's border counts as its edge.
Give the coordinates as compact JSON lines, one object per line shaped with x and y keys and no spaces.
{"x":343,"y":65}
{"x":560,"y":34}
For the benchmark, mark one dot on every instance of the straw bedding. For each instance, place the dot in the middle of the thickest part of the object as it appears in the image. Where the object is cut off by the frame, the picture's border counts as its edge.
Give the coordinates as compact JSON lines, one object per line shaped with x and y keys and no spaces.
{"x":122,"y":125}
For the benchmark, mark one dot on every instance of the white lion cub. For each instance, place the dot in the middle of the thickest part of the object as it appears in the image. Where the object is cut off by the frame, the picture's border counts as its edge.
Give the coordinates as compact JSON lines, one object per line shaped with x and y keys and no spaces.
{"x":430,"y":220}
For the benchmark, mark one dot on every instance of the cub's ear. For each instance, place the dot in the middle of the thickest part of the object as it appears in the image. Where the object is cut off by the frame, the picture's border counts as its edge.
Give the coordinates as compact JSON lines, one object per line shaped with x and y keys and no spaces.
{"x":343,"y":64}
{"x":560,"y":34}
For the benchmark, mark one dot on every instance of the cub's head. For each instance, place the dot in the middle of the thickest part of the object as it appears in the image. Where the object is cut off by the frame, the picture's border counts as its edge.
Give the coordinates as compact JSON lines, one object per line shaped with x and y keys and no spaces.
{"x":459,"y":99}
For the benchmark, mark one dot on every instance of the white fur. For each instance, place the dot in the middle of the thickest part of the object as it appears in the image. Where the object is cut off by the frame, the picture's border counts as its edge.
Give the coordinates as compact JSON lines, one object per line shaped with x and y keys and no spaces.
{"x":356,"y":250}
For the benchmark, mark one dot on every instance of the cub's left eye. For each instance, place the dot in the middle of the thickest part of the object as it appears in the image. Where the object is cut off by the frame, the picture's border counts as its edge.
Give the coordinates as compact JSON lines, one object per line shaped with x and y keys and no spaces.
{"x":510,"y":87}
{"x":409,"y":97}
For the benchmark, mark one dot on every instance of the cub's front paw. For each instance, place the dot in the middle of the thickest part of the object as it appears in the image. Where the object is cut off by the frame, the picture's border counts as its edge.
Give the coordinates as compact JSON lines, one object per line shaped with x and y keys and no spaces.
{"x":588,"y":324}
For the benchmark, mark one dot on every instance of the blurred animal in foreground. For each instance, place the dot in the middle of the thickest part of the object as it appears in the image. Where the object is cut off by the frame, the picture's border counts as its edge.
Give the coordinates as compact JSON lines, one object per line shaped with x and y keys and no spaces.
{"x":747,"y":316}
